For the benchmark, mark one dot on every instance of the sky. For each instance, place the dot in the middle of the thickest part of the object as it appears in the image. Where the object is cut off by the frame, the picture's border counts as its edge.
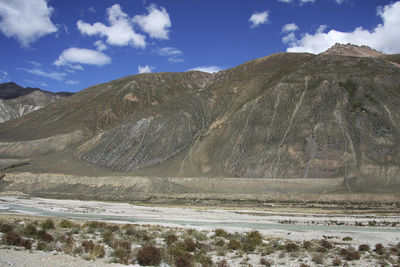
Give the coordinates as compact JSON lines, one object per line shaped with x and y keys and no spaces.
{"x":59,"y":45}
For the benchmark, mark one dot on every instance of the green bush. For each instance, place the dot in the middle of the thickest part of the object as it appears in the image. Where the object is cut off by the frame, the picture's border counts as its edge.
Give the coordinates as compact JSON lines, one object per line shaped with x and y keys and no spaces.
{"x":252,"y":240}
{"x":65,"y":224}
{"x":48,"y":224}
{"x":149,"y":255}
{"x":221,"y":233}
{"x":291,"y":247}
{"x":30,"y":230}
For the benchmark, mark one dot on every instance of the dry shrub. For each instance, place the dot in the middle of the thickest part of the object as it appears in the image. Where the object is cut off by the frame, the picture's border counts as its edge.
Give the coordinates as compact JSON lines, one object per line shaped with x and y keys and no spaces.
{"x":326,"y":244}
{"x":5,"y":228}
{"x":87,"y":245}
{"x":204,"y":260}
{"x":44,"y":236}
{"x":222,"y":263}
{"x":336,"y":262}
{"x":347,"y":238}
{"x":122,"y":255}
{"x":190,"y":244}
{"x":149,"y":255}
{"x":184,"y":260}
{"x":234,"y":244}
{"x":26,"y":243}
{"x":221,"y":233}
{"x":291,"y":247}
{"x":379,"y":248}
{"x":318,"y":258}
{"x":265,"y":262}
{"x":11,"y":238}
{"x":363,"y":247}
{"x":350,"y":255}
{"x":252,"y":240}
{"x":307,"y":244}
{"x":170,"y":239}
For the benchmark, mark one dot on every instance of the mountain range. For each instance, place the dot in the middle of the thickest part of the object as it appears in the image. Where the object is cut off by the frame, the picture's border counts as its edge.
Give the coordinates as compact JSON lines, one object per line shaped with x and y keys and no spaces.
{"x":286,"y":116}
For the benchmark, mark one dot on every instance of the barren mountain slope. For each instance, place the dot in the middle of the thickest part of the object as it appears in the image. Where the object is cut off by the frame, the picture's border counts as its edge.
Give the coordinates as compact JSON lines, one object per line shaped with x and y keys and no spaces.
{"x":289,"y":115}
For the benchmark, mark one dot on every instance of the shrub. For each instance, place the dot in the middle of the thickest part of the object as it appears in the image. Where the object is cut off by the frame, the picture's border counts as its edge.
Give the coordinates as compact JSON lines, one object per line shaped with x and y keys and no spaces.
{"x":204,"y":260}
{"x":122,"y":255}
{"x":26,"y":243}
{"x":220,"y":242}
{"x":184,"y":260}
{"x":30,"y":230}
{"x":291,"y":247}
{"x":379,"y":248}
{"x":123,"y":244}
{"x":221,"y":233}
{"x":87,"y":245}
{"x":5,"y":228}
{"x":11,"y":238}
{"x":352,"y":255}
{"x":47,"y":224}
{"x":326,"y":244}
{"x":336,"y":261}
{"x":108,"y":237}
{"x":44,"y":246}
{"x":44,"y":236}
{"x":65,"y":224}
{"x":98,"y":251}
{"x":317,"y":258}
{"x":233,"y":244}
{"x":222,"y":263}
{"x":307,"y":244}
{"x":170,"y":239}
{"x":252,"y":240}
{"x":347,"y":238}
{"x":149,"y":255}
{"x":177,"y":249}
{"x":265,"y":262}
{"x":363,"y":247}
{"x":190,"y":245}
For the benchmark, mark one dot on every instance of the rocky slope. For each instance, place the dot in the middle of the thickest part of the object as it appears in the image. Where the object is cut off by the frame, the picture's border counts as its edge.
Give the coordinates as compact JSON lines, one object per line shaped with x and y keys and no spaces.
{"x":16,"y":101}
{"x":288,"y":115}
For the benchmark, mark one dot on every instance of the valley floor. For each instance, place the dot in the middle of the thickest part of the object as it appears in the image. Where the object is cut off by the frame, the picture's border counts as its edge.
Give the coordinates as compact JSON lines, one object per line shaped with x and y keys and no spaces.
{"x":289,"y":237}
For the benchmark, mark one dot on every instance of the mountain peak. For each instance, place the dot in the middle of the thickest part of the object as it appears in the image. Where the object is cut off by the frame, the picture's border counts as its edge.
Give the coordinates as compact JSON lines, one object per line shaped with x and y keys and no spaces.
{"x":352,"y":50}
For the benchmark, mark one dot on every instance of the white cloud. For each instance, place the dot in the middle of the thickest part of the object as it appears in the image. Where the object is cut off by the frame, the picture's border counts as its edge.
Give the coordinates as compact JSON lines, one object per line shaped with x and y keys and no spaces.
{"x":34,"y":63}
{"x":175,"y":55}
{"x":290,"y":27}
{"x":285,"y":1}
{"x":289,"y":38}
{"x":169,"y":51}
{"x":71,"y":82}
{"x":145,"y":69}
{"x":100,"y":45}
{"x":59,"y":76}
{"x":258,"y":18}
{"x":75,"y":55}
{"x":3,"y":76}
{"x":92,"y":9}
{"x":307,"y":1}
{"x":209,"y":69}
{"x":156,"y":23}
{"x":174,"y":60}
{"x":384,"y":37}
{"x":120,"y":32}
{"x":26,"y":20}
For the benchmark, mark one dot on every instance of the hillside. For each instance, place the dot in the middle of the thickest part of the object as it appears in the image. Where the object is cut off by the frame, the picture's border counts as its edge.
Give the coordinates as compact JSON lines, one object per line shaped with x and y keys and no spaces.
{"x":285,"y":116}
{"x":16,"y":101}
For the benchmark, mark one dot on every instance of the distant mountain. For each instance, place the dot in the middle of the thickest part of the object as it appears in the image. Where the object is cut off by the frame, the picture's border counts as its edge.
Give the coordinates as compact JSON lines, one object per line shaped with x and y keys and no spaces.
{"x":288,"y":115}
{"x":352,"y":50}
{"x":16,"y":101}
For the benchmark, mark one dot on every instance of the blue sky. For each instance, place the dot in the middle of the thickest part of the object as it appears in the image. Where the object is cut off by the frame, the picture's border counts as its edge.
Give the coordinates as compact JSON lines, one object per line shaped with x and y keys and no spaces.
{"x":61,"y":45}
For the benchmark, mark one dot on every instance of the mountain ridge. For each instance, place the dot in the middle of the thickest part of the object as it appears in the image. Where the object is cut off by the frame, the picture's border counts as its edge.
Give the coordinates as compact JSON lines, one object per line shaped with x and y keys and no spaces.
{"x":288,"y":115}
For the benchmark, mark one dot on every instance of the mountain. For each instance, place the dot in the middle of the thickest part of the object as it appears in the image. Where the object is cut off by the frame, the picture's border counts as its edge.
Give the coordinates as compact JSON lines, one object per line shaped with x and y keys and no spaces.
{"x":16,"y":101}
{"x":285,"y":116}
{"x":352,"y":50}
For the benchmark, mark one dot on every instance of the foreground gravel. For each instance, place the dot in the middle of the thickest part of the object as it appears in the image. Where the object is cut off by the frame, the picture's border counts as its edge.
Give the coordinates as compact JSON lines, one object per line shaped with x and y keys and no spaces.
{"x":21,"y":258}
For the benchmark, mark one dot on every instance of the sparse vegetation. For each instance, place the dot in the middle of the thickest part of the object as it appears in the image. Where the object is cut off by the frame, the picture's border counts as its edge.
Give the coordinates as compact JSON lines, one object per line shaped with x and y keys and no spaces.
{"x":149,"y":255}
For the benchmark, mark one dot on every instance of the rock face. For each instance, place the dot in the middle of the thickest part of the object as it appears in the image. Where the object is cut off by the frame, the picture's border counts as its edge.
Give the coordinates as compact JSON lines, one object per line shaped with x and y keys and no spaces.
{"x":288,"y":115}
{"x":16,"y":101}
{"x":352,"y":51}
